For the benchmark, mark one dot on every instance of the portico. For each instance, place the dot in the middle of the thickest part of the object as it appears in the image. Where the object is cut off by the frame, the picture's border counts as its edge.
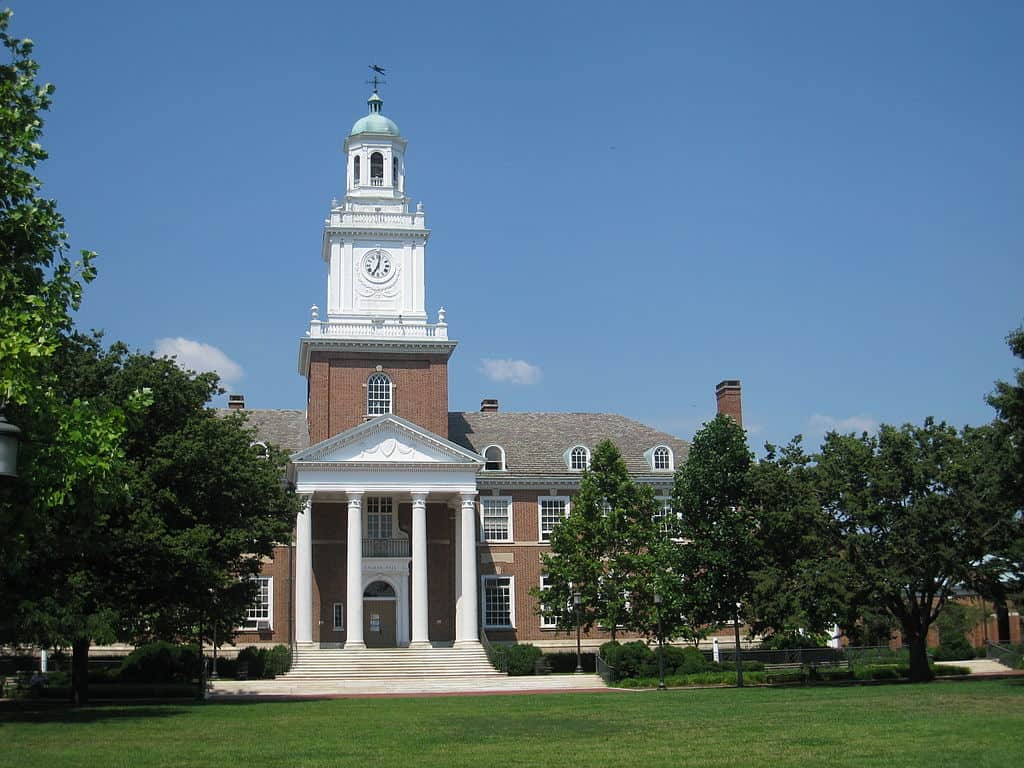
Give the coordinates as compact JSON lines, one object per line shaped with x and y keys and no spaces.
{"x":366,"y":473}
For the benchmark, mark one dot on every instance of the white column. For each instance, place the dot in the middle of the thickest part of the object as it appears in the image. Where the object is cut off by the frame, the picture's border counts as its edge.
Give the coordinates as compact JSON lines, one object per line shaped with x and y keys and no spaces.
{"x":304,"y":573}
{"x":420,"y":623}
{"x":466,"y":631}
{"x":354,"y":573}
{"x":457,"y":528}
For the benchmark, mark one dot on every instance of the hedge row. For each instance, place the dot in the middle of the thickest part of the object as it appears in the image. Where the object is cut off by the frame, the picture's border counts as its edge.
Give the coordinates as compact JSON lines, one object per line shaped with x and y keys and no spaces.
{"x":638,"y":660}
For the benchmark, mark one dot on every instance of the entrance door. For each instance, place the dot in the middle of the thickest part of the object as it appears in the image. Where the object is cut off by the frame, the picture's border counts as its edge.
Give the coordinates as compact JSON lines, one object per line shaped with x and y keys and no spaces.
{"x":379,"y":625}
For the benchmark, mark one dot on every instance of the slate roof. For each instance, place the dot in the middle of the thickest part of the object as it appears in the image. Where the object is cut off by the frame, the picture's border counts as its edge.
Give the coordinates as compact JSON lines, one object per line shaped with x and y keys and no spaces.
{"x":285,"y":429}
{"x":535,"y":443}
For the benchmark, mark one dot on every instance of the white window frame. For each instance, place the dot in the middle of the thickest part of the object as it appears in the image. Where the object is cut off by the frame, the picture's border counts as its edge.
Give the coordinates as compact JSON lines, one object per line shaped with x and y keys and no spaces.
{"x":654,"y":459}
{"x":507,"y":501}
{"x":546,"y":621}
{"x":666,"y":515}
{"x":511,"y":600}
{"x":540,"y":515}
{"x":586,"y":458}
{"x":388,"y":404}
{"x":338,"y":617}
{"x":251,"y":623}
{"x":380,"y":507}
{"x":501,"y":450}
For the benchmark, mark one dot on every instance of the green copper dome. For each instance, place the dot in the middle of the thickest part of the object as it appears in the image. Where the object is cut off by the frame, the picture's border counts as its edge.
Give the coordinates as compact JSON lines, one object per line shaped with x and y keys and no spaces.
{"x":375,"y":122}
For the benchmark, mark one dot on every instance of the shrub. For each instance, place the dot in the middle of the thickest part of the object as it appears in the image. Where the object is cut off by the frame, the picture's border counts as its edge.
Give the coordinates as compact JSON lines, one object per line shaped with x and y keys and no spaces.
{"x":686,"y":661}
{"x":499,"y":657}
{"x":948,"y":669}
{"x":255,"y":662}
{"x":566,"y":661}
{"x":956,"y":649}
{"x":279,"y":660}
{"x":160,"y":662}
{"x":522,"y":659}
{"x":791,"y":641}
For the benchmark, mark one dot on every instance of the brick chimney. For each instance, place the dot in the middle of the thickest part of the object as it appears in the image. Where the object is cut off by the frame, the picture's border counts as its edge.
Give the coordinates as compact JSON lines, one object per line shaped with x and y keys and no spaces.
{"x":488,"y":405}
{"x":236,"y":402}
{"x":729,"y":402}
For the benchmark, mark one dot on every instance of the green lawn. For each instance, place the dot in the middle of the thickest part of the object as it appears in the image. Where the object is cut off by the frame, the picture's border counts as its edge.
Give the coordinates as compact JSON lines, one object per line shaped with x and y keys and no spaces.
{"x":939,"y":724}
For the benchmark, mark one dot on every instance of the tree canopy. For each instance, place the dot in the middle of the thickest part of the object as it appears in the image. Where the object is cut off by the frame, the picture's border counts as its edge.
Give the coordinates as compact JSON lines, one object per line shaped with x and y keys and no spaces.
{"x":918,"y":513}
{"x":604,"y":550}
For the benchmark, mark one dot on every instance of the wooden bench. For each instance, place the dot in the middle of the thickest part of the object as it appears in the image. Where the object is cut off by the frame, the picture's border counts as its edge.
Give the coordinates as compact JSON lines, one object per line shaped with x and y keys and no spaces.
{"x":775,"y":670}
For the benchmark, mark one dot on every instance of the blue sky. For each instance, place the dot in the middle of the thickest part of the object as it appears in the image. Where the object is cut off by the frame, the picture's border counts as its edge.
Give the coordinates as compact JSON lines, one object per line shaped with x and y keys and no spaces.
{"x":629,"y":201}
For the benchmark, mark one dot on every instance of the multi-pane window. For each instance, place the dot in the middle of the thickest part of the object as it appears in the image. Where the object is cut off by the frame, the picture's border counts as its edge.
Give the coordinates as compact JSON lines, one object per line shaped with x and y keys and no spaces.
{"x":380,"y":517}
{"x":549,"y":616}
{"x":494,"y":458}
{"x":339,"y":617}
{"x":355,"y":169}
{"x":551,"y":510}
{"x":665,"y":517}
{"x":378,"y":394}
{"x":579,"y":458}
{"x":376,"y":169}
{"x":394,"y":171}
{"x":260,"y":613}
{"x":662,"y":458}
{"x":497,"y":599}
{"x":496,"y":518}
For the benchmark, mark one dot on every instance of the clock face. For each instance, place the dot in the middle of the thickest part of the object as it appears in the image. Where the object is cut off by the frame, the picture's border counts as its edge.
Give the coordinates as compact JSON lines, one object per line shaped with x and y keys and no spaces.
{"x":377,"y":265}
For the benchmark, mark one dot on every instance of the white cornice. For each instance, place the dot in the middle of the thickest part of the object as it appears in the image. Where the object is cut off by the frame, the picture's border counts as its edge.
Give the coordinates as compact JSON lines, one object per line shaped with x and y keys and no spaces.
{"x":399,"y":346}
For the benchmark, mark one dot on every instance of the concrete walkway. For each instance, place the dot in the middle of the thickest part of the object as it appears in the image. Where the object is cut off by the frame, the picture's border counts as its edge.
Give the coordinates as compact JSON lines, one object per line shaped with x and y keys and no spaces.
{"x":253,"y":689}
{"x":982,"y":667}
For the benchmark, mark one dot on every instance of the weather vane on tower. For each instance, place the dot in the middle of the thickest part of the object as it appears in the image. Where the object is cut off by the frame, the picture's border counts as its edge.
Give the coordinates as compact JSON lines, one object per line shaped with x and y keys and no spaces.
{"x":378,"y":77}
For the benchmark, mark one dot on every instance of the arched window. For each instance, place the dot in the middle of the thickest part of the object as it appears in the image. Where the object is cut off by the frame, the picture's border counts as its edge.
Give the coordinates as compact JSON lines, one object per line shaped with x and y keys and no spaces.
{"x":376,"y":169}
{"x":378,"y":394}
{"x":495,"y":457}
{"x":379,"y":589}
{"x":662,"y":458}
{"x":261,"y":449}
{"x":355,"y":169}
{"x":579,"y":458}
{"x":394,"y":172}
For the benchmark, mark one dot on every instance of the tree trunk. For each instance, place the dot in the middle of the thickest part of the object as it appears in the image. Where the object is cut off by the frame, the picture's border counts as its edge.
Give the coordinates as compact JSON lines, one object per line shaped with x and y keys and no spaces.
{"x":920,"y":671}
{"x":80,"y":672}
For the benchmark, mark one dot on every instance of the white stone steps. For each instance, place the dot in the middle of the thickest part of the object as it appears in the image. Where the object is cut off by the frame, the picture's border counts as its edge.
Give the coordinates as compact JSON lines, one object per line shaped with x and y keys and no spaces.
{"x":333,"y":664}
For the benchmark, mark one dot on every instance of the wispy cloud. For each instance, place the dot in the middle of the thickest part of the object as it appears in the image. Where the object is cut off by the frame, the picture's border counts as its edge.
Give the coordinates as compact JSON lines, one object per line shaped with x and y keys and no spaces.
{"x":514,"y":371}
{"x":820,"y":423}
{"x":200,"y":357}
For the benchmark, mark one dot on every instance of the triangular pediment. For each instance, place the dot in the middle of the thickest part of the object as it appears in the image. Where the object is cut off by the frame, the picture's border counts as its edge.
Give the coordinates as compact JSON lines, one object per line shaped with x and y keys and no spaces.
{"x":387,"y":440}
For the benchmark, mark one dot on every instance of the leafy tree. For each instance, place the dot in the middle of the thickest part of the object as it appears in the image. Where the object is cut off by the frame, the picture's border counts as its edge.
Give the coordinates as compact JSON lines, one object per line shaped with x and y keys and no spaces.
{"x":798,"y":585}
{"x":603,"y":550}
{"x":718,"y":529}
{"x":1008,"y":400}
{"x":70,"y":473}
{"x":918,"y":512}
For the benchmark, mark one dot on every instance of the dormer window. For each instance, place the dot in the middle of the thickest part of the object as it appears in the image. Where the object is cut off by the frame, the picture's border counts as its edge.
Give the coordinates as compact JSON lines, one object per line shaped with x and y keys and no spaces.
{"x":494,"y":456}
{"x":662,"y":458}
{"x":378,"y":394}
{"x":579,"y":459}
{"x":376,"y":170}
{"x":355,"y":169}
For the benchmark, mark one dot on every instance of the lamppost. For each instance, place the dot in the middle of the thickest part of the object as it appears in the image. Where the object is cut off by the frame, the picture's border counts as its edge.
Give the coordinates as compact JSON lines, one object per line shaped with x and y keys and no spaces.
{"x":213,"y":602}
{"x":577,"y":599}
{"x":10,"y":436}
{"x":661,"y":645}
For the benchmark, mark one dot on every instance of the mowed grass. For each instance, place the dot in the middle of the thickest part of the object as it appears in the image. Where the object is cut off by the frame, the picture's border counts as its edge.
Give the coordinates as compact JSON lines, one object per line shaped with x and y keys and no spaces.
{"x":940,"y":724}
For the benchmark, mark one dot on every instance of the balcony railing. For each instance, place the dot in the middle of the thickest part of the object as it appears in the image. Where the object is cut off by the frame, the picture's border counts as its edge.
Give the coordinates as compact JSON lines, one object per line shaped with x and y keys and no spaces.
{"x":385,"y":548}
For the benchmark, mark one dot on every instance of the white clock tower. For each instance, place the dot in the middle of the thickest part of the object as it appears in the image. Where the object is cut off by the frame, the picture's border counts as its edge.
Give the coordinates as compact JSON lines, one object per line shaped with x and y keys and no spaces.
{"x":375,"y":317}
{"x":373,"y":246}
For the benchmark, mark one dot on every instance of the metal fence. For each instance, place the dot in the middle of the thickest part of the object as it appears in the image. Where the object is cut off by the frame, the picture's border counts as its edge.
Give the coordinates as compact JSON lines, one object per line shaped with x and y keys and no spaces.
{"x":607,"y":672}
{"x":1007,"y":656}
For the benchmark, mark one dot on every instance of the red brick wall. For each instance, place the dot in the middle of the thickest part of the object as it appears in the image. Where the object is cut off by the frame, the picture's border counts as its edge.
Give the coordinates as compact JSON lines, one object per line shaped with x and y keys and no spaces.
{"x":280,"y":570}
{"x":337,"y":391}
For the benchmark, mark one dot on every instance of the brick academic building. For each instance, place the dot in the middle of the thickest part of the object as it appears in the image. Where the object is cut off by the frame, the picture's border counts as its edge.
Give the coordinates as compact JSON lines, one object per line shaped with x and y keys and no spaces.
{"x":421,"y":526}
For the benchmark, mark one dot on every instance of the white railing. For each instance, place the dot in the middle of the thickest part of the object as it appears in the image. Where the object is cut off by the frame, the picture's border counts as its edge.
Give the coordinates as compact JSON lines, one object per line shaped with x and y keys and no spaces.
{"x":376,"y":181}
{"x":348,"y":218}
{"x":326,"y":328}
